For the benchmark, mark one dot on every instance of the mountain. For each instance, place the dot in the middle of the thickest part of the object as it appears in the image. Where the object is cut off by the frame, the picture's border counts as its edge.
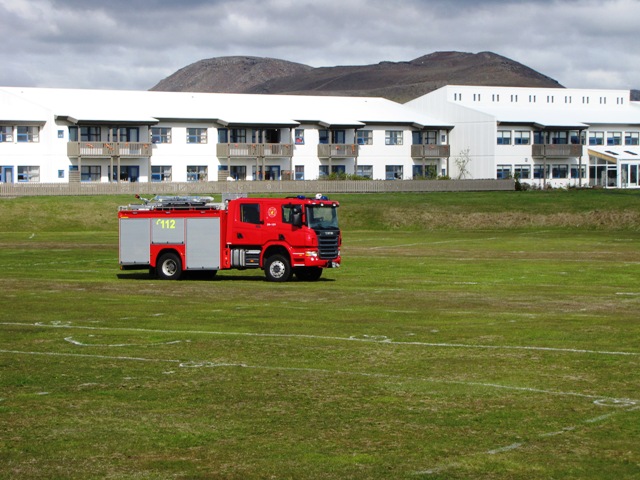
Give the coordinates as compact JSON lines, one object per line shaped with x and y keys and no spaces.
{"x":398,"y":81}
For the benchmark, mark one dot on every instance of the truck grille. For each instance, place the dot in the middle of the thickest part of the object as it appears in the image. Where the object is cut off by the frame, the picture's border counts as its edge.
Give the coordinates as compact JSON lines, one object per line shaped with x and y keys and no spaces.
{"x":328,"y":243}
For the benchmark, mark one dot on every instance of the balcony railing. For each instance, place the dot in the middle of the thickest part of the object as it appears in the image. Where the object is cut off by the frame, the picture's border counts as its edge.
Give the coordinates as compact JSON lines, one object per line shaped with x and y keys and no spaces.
{"x":108,"y":149}
{"x":253,"y":150}
{"x":547,"y":150}
{"x":430,"y":151}
{"x":337,"y":150}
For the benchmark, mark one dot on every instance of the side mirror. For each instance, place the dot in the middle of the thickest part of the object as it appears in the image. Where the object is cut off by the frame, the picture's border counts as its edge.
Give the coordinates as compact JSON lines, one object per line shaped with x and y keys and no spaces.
{"x":296,"y":220}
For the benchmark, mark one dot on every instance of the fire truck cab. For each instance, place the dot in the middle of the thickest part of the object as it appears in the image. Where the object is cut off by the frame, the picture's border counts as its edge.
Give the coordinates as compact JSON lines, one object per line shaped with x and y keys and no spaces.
{"x":283,"y":236}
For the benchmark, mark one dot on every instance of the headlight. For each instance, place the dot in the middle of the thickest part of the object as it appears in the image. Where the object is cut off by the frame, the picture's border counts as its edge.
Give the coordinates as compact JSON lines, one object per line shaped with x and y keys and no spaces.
{"x":311,"y":253}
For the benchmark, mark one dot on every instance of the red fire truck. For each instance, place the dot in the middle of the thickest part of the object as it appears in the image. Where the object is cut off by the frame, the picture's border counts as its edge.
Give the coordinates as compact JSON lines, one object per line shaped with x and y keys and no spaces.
{"x":283,"y":236}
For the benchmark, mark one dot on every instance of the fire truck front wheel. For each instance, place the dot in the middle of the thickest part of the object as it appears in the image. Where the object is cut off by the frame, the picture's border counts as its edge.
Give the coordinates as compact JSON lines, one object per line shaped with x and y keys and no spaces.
{"x":277,"y":269}
{"x":169,"y":267}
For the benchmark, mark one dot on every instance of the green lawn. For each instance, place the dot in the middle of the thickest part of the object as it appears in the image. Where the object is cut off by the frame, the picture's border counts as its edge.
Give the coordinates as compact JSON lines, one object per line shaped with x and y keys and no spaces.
{"x":470,"y":335}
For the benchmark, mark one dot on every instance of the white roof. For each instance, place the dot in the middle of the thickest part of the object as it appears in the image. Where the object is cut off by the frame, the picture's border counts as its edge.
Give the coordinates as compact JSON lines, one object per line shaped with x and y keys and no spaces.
{"x":615,"y":153}
{"x":566,"y":109}
{"x":147,"y":107}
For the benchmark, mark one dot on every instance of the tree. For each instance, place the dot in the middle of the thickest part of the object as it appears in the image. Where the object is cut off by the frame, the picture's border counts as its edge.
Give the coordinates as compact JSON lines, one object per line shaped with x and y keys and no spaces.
{"x":462,"y":163}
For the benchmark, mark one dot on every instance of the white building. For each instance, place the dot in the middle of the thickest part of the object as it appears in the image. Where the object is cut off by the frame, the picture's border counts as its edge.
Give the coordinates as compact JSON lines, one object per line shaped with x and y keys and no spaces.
{"x":69,"y":135}
{"x":543,"y":136}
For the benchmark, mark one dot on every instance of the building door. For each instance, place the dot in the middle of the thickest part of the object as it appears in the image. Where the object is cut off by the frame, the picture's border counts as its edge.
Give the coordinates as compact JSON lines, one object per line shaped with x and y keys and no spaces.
{"x":6,"y":175}
{"x":129,"y":173}
{"x":630,"y":173}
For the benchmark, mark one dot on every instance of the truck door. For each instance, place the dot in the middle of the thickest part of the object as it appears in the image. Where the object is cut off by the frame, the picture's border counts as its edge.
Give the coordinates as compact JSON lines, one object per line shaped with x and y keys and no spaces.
{"x":248,"y":224}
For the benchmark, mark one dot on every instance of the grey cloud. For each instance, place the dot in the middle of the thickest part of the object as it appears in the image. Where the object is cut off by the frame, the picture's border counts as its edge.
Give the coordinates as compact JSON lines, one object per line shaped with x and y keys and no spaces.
{"x":136,"y":43}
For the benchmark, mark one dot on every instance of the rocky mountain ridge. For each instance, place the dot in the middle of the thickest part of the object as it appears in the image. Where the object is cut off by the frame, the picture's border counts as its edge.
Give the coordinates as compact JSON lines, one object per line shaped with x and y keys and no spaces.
{"x":398,"y":81}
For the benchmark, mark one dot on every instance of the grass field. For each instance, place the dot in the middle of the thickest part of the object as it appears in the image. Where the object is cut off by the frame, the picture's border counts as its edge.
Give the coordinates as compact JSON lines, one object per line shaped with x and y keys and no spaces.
{"x":470,"y":335}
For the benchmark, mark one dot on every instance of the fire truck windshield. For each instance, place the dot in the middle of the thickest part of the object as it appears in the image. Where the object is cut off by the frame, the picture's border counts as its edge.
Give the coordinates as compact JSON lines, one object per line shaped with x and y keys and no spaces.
{"x":322,"y":217}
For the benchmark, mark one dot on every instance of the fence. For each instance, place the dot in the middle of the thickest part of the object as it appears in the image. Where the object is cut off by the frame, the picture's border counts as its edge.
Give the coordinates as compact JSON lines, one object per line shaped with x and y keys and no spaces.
{"x":277,"y":187}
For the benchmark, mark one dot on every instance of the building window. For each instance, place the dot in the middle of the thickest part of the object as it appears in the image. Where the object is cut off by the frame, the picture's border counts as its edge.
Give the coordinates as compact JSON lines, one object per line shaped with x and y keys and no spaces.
{"x":223,"y":135}
{"x":124,"y":134}
{"x":550,"y":98}
{"x":496,"y":97}
{"x":603,"y":100}
{"x":299,"y":172}
{"x":338,"y":136}
{"x":393,"y":172}
{"x":574,"y":137}
{"x":196,"y":135}
{"x":538,"y":171}
{"x":237,"y":135}
{"x":504,"y":137}
{"x":559,"y":138}
{"x":514,"y":98}
{"x":196,"y":173}
{"x":522,"y":172}
{"x":457,"y":97}
{"x":6,"y":134}
{"x":364,"y":137}
{"x":476,"y":97}
{"x":596,"y":138}
{"x":324,"y":136}
{"x":585,"y":100}
{"x":299,"y":136}
{"x":90,"y":173}
{"x":568,"y":99}
{"x":503,"y":172}
{"x":574,"y":171}
{"x":522,"y":138}
{"x":365,"y":171}
{"x":632,"y":138}
{"x":28,"y":134}
{"x":86,"y":134}
{"x":160,"y":135}
{"x":431,"y":137}
{"x":393,"y":137}
{"x":532,"y":99}
{"x":614,"y":138}
{"x":538,"y":138}
{"x":161,"y":173}
{"x":560,"y":171}
{"x":28,"y":174}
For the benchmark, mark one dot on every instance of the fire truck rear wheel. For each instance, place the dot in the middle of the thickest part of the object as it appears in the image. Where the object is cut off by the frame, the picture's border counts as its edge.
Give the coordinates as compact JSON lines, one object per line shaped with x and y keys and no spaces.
{"x":169,"y":267}
{"x":308,"y":274}
{"x":277,"y":269}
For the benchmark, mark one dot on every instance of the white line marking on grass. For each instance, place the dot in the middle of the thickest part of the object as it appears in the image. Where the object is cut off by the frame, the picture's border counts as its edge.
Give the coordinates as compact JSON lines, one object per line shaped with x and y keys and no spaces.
{"x":322,"y":337}
{"x":604,"y":400}
{"x":600,"y":418}
{"x":86,"y":355}
{"x":80,"y":344}
{"x":559,"y":432}
{"x":508,"y":448}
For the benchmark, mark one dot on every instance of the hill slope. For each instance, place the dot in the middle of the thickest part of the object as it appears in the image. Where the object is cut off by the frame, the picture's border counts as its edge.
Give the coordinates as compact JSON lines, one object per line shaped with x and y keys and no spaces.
{"x":398,"y":81}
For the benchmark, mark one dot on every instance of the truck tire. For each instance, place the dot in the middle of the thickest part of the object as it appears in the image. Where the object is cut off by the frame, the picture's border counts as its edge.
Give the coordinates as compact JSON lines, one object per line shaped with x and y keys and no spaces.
{"x":277,"y":268}
{"x":308,"y":274}
{"x":169,"y":267}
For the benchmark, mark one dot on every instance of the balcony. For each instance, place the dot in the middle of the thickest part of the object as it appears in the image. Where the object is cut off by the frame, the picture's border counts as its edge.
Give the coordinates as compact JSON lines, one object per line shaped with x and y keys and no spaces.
{"x":254,"y":150}
{"x":338,"y":150}
{"x":430,"y":151}
{"x":548,"y":150}
{"x":108,"y":149}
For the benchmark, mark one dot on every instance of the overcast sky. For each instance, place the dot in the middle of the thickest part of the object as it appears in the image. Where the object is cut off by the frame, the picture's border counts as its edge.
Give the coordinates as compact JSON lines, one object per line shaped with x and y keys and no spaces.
{"x":133,"y":44}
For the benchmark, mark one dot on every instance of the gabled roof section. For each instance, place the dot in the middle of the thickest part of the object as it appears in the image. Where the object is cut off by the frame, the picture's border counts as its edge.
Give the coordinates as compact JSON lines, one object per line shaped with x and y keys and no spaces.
{"x":234,"y":110}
